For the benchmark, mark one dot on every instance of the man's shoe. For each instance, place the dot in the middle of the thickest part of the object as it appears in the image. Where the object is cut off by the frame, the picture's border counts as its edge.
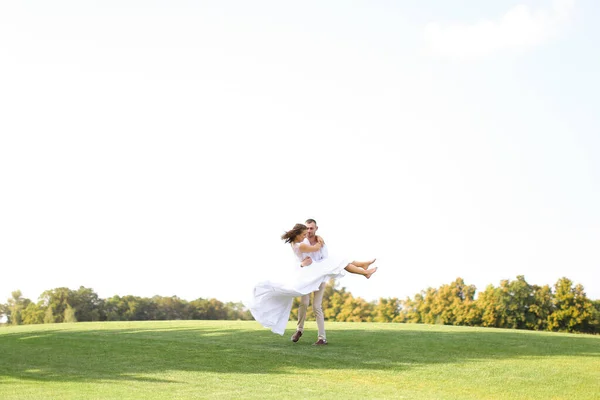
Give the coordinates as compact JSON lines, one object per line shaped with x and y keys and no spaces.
{"x":320,"y":342}
{"x":296,"y":336}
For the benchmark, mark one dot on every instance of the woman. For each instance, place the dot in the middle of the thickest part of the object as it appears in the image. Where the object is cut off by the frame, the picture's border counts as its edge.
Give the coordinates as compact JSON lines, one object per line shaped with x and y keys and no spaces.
{"x":272,"y":300}
{"x":296,"y":237}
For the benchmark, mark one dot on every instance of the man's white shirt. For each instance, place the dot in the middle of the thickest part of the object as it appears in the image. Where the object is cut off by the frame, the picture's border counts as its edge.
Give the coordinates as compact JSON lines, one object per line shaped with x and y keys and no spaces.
{"x":316,"y":255}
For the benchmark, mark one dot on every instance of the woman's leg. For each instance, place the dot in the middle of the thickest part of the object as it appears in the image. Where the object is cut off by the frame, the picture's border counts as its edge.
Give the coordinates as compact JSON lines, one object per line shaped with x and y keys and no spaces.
{"x":360,"y":271}
{"x":363,"y":264}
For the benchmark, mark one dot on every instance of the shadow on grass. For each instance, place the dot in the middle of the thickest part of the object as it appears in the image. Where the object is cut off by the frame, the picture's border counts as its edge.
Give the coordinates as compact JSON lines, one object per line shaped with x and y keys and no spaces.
{"x":123,"y":353}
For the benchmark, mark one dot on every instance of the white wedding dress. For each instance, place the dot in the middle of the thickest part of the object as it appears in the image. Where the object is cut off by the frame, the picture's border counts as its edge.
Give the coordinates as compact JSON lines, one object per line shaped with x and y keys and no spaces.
{"x":271,"y":302}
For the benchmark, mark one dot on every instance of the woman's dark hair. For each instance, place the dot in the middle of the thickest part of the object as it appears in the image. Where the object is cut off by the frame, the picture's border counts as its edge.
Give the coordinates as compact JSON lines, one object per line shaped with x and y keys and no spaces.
{"x":290,"y":235}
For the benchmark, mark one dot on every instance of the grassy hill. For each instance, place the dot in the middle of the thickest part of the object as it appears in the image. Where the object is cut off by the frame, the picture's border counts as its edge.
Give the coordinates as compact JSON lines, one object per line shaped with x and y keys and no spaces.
{"x":237,"y":359}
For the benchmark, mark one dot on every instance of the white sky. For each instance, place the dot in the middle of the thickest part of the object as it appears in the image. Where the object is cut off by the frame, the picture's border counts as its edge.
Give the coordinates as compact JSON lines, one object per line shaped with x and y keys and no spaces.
{"x":163,"y":147}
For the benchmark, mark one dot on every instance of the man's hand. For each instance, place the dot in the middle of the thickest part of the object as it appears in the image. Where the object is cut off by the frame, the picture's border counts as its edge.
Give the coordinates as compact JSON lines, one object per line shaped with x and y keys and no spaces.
{"x":320,"y":240}
{"x":306,"y":262}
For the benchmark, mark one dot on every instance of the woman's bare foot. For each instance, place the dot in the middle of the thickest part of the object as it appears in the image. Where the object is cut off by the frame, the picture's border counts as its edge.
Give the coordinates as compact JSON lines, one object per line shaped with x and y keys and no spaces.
{"x":370,"y":272}
{"x":364,"y":264}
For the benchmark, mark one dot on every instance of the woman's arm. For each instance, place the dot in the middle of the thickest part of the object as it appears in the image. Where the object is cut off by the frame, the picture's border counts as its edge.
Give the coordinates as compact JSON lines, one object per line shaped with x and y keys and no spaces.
{"x":309,"y":249}
{"x":306,"y":262}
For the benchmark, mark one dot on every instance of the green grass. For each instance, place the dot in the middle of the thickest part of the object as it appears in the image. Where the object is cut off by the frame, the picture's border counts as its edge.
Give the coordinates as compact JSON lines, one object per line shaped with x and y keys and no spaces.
{"x":236,"y":359}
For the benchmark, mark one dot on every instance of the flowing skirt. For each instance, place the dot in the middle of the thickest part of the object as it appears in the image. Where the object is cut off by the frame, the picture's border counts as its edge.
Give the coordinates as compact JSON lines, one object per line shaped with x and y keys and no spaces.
{"x":271,"y":302}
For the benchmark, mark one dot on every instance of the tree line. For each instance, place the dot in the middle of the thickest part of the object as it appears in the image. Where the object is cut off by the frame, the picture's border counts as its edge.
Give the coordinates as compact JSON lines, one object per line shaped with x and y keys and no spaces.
{"x":513,"y":304}
{"x":66,"y":305}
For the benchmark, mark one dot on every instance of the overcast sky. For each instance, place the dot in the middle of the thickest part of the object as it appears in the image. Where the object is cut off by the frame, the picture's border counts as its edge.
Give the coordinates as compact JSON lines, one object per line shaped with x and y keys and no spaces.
{"x":162,"y":147}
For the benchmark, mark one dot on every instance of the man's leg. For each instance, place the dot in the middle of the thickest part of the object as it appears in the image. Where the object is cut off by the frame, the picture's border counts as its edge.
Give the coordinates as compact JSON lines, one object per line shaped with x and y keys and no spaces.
{"x":304,"y":300}
{"x":318,"y":310}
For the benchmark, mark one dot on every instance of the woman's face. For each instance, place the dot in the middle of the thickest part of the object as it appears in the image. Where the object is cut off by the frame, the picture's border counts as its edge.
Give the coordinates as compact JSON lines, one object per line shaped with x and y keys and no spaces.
{"x":300,"y":237}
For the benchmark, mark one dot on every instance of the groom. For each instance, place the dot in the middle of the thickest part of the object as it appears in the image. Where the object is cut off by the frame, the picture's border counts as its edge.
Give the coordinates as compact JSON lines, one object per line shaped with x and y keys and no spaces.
{"x":311,"y":238}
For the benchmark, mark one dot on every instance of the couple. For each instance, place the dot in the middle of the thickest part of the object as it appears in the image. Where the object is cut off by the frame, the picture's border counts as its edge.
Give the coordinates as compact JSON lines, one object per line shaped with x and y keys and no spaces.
{"x":272,"y":300}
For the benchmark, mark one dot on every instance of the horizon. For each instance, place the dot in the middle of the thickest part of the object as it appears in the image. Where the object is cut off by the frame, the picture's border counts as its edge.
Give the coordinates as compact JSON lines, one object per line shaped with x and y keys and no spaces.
{"x":338,"y":284}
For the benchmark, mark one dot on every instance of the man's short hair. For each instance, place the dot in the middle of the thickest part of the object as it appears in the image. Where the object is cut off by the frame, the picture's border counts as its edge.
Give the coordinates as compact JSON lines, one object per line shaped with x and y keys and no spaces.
{"x":310,"y":221}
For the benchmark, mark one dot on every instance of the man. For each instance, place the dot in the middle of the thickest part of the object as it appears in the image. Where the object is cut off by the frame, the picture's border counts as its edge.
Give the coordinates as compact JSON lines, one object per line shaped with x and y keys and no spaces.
{"x":311,"y":239}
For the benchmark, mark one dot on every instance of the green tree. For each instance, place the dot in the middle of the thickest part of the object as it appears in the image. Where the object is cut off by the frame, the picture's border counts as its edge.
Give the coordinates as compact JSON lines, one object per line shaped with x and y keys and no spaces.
{"x":518,"y":298}
{"x":114,"y":308}
{"x":211,"y":309}
{"x":88,"y":306}
{"x":170,"y":308}
{"x":217,"y":309}
{"x":140,"y":309}
{"x":200,"y":309}
{"x":237,"y":311}
{"x":15,"y":306}
{"x":56,"y":299}
{"x":129,"y":308}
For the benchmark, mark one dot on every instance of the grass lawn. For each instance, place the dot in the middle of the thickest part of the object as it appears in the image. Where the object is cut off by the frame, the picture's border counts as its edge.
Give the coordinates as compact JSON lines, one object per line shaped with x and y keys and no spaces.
{"x":240,"y":359}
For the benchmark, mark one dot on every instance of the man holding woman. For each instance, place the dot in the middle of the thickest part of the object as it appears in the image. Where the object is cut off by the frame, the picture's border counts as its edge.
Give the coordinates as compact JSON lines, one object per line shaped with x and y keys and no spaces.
{"x":272,"y":301}
{"x":311,"y":239}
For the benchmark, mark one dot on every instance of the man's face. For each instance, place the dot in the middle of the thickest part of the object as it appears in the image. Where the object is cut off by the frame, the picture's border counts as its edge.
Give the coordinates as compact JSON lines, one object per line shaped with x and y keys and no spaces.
{"x":311,"y":230}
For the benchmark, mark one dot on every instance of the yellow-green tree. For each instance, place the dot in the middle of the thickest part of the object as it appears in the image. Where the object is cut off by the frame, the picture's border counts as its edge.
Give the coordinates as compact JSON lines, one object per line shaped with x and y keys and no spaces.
{"x":573,"y":311}
{"x":355,"y":310}
{"x":451,"y":304}
{"x":409,"y":312}
{"x":49,"y":316}
{"x":69,"y":314}
{"x":541,"y":308}
{"x":490,"y":306}
{"x":387,"y":310}
{"x":33,"y":314}
{"x":596,"y":316}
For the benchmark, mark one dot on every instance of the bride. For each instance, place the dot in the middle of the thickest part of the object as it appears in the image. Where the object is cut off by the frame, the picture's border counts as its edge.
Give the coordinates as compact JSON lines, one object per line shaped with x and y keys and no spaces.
{"x":271,"y":302}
